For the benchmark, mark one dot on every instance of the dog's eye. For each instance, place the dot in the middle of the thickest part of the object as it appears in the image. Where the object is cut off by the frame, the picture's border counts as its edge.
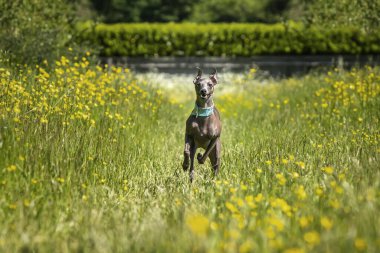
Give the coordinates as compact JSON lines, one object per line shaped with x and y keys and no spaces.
{"x":209,"y":84}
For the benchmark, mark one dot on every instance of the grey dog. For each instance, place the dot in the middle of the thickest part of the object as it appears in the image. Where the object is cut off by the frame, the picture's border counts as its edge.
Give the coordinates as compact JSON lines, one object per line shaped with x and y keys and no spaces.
{"x":203,"y":127}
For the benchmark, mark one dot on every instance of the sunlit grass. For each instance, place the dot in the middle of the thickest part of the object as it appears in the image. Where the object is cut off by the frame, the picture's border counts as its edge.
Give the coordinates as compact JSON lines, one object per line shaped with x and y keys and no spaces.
{"x":90,"y":160}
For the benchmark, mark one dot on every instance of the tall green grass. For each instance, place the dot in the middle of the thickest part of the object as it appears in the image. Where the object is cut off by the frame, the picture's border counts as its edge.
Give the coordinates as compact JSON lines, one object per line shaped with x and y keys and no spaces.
{"x":299,"y":168}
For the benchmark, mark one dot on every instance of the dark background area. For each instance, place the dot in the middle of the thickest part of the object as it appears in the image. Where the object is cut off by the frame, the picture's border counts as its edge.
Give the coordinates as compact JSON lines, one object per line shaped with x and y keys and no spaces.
{"x":266,"y":11}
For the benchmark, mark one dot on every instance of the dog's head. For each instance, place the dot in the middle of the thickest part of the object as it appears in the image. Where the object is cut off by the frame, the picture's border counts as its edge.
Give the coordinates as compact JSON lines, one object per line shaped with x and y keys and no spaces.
{"x":204,"y":87}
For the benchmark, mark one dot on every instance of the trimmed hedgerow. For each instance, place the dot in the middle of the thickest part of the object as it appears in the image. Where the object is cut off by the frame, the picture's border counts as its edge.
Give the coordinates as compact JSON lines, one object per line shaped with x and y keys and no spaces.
{"x":190,"y":39}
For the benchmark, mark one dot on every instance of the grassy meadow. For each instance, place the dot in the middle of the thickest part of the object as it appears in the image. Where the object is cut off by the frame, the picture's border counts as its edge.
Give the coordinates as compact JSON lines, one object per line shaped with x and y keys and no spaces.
{"x":90,"y":161}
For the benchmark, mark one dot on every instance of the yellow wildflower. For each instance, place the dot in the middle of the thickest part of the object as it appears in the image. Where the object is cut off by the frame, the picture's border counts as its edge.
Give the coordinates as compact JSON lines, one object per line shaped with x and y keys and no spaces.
{"x":301,"y":164}
{"x":300,"y":191}
{"x":61,"y":180}
{"x":304,"y":221}
{"x":231,"y":207}
{"x":281,"y":179}
{"x":198,"y":224}
{"x":11,"y":168}
{"x":259,"y":197}
{"x":312,"y":238}
{"x":214,"y":226}
{"x":360,"y":244}
{"x":328,"y":170}
{"x":326,"y":223}
{"x":26,"y":203}
{"x":294,"y":250}
{"x":245,"y":247}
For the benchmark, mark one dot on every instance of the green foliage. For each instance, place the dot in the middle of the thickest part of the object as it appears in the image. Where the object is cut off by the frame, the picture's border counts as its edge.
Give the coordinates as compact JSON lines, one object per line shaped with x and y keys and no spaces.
{"x":239,"y":10}
{"x":143,"y":10}
{"x":229,"y":11}
{"x":35,"y":29}
{"x":189,"y":10}
{"x":363,"y":14}
{"x":227,"y":39}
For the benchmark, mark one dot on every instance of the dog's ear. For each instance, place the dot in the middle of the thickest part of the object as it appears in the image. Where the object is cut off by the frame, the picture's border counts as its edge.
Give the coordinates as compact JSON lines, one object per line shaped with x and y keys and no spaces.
{"x":213,"y":77}
{"x":199,"y":75}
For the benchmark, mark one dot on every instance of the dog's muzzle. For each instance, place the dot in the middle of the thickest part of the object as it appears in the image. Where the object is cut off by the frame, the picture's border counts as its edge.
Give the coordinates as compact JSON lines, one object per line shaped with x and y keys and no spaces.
{"x":203,"y":94}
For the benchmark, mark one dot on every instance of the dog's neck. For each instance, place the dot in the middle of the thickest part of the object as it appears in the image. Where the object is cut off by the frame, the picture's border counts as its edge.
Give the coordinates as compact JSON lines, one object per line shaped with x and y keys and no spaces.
{"x":204,"y":103}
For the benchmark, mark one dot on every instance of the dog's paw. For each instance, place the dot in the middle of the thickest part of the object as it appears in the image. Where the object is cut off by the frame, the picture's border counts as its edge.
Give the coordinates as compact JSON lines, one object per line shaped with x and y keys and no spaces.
{"x":199,"y":158}
{"x":186,"y":161}
{"x":185,"y":165}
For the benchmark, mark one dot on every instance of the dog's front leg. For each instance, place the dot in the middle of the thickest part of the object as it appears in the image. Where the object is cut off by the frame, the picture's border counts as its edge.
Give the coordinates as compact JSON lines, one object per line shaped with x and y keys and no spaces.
{"x":202,"y":158}
{"x":186,"y":152}
{"x":193,"y":149}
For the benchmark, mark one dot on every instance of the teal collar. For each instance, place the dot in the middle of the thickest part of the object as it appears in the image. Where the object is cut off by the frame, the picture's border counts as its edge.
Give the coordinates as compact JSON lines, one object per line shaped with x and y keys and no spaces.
{"x":202,"y":112}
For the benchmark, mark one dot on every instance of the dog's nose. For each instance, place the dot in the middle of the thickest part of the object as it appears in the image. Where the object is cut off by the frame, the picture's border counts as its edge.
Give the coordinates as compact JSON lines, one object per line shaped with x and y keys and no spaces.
{"x":203,"y":91}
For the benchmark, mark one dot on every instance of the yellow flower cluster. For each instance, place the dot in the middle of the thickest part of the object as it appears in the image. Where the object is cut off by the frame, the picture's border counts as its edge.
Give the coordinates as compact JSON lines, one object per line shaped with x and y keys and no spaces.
{"x":278,"y":216}
{"x":73,"y":91}
{"x":356,"y":91}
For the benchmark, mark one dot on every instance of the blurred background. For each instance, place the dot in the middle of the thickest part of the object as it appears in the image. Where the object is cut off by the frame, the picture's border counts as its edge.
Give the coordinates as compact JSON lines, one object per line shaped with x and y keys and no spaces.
{"x":36,"y":30}
{"x":189,"y":10}
{"x":363,"y":13}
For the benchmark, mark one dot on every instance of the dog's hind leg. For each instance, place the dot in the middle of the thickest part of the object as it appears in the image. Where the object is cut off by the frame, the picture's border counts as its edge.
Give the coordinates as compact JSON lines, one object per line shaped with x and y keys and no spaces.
{"x":202,"y":158}
{"x":186,"y":152}
{"x":215,"y":157}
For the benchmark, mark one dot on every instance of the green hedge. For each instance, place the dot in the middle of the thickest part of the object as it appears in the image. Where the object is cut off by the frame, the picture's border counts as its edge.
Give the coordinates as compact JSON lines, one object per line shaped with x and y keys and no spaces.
{"x":190,"y":39}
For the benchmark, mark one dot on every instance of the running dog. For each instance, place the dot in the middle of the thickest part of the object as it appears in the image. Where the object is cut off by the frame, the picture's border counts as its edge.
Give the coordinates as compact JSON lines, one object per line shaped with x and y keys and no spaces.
{"x":203,"y":127}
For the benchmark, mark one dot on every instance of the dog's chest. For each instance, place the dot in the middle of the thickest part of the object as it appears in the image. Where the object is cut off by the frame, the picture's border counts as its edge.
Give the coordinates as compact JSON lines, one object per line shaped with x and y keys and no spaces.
{"x":202,"y":129}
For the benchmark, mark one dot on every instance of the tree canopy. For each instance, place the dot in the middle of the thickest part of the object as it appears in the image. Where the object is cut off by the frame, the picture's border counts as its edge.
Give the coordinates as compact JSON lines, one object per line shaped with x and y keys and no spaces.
{"x":190,"y":10}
